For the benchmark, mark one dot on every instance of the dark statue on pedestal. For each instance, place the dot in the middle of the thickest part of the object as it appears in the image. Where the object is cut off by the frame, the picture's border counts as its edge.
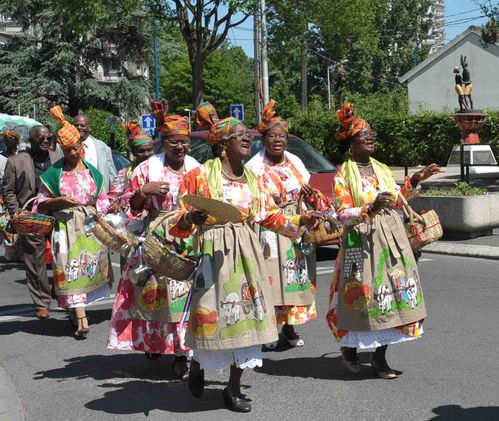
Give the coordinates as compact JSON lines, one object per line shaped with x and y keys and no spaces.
{"x":464,"y":86}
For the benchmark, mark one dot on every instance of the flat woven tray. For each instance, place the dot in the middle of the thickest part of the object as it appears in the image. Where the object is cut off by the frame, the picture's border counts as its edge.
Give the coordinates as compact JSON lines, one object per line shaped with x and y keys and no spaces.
{"x":216,"y":208}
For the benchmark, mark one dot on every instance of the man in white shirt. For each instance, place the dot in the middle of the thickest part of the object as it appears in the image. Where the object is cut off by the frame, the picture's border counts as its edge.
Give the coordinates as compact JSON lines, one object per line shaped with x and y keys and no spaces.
{"x":96,"y":152}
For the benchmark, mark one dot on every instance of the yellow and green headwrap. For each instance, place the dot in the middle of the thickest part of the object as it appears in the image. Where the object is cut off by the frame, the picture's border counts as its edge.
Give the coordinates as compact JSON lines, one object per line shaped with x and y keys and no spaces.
{"x":136,"y":136}
{"x":207,"y":119}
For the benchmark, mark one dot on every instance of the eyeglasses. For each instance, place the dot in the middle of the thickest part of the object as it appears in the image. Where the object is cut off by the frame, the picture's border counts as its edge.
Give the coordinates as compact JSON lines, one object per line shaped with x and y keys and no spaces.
{"x":274,"y":137}
{"x":41,"y":139}
{"x":364,"y":136}
{"x":241,"y":135}
{"x":175,"y":143}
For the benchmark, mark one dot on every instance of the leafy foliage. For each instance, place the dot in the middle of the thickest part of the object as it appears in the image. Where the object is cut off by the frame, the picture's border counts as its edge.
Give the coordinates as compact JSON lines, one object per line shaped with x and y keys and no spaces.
{"x":460,"y":189}
{"x":63,"y":44}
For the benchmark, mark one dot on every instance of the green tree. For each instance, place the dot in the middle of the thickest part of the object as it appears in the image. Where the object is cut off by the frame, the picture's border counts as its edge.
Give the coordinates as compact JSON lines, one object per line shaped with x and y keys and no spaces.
{"x":63,"y":43}
{"x":204,"y":25}
{"x":490,"y":33}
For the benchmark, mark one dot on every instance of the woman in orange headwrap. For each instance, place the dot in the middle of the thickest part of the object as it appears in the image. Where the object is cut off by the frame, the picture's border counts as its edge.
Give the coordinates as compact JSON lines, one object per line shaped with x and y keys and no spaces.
{"x":232,"y":313}
{"x":376,"y":297}
{"x":292,"y":272}
{"x":70,"y":190}
{"x":139,"y":323}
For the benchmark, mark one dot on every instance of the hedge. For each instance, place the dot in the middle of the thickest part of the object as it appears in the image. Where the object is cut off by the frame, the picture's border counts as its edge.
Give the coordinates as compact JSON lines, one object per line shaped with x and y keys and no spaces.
{"x":403,"y":138}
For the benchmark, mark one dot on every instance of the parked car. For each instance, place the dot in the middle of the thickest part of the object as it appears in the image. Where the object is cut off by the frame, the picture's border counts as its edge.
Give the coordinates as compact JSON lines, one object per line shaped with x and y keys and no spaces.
{"x":120,"y":161}
{"x":321,"y":169}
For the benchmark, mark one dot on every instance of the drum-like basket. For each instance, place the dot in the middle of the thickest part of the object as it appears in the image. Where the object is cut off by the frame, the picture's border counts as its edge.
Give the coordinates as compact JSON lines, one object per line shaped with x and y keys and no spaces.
{"x":322,"y":233}
{"x":33,"y":224}
{"x":161,"y":257}
{"x":110,"y":237}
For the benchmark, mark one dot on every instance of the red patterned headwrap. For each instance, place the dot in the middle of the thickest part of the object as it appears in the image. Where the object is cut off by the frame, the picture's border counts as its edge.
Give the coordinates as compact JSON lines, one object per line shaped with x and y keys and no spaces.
{"x":269,"y":120}
{"x":207,"y":119}
{"x":68,"y":135}
{"x":350,"y":125}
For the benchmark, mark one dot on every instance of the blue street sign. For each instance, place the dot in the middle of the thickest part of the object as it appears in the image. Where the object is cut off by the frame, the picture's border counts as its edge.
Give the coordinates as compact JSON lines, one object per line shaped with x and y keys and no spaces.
{"x":237,"y":111}
{"x":148,"y":122}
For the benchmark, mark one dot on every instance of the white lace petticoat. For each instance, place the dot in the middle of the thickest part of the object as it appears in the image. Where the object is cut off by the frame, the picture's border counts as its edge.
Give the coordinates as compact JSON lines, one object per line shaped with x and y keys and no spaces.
{"x":249,"y":357}
{"x":376,"y":338}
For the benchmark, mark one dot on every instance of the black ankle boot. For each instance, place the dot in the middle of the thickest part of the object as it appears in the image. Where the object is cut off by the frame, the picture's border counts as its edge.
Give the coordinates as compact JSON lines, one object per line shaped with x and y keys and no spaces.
{"x":380,"y":366}
{"x":235,"y":402}
{"x":196,"y":383}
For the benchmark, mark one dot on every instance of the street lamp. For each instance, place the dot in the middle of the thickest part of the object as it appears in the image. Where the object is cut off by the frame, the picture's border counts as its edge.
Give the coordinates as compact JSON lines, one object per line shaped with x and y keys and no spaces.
{"x":330,"y":68}
{"x":187,"y":110}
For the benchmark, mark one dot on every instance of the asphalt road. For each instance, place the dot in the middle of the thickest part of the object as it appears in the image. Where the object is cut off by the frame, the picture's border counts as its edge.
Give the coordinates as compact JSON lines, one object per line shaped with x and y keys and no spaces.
{"x":451,"y":374}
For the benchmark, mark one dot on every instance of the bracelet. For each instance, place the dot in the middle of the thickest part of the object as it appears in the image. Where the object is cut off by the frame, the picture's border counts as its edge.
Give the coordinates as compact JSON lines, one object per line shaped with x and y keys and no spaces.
{"x":186,"y":218}
{"x":142,"y":194}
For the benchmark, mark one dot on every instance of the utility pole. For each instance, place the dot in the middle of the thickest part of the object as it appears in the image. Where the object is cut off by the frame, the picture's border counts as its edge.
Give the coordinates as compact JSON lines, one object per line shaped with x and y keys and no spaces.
{"x":156,"y":66}
{"x":256,"y":62}
{"x":304,"y":76}
{"x":265,"y":65}
{"x":329,"y":69}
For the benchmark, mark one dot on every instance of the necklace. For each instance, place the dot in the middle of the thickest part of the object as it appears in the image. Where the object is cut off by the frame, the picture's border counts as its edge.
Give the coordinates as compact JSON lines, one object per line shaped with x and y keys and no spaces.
{"x":231,"y":178}
{"x":364,"y":164}
{"x":180,"y":171}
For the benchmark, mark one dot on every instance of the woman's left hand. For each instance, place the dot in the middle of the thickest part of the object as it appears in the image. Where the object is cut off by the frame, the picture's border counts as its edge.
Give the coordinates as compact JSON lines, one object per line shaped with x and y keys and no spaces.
{"x":307,"y":190}
{"x":310,"y":220}
{"x":425,"y":173}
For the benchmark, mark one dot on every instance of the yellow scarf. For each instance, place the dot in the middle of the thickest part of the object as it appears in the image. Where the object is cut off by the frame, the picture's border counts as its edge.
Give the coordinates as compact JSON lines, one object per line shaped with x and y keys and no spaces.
{"x":351,"y":174}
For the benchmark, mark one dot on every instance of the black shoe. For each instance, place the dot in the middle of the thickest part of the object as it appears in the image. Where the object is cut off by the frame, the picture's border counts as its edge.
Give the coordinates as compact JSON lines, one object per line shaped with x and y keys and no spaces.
{"x":235,"y":403}
{"x":196,"y":383}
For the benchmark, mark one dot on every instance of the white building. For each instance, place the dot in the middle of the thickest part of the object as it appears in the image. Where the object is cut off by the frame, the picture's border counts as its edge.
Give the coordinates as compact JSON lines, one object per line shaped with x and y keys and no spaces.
{"x":436,"y":34}
{"x":431,"y":84}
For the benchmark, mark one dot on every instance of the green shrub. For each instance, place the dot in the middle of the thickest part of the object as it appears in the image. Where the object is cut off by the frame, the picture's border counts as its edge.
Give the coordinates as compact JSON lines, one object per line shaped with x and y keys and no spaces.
{"x":460,"y":189}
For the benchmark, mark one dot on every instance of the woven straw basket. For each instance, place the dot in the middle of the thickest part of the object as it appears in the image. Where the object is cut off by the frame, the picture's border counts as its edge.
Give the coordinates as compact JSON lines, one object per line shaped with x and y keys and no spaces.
{"x":421,"y":229}
{"x":110,"y":237}
{"x":320,"y":234}
{"x":33,"y":224}
{"x":163,"y":259}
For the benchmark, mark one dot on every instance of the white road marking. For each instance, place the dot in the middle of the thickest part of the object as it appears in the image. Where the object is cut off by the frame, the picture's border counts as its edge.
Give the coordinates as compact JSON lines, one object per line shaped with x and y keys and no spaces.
{"x":19,"y":313}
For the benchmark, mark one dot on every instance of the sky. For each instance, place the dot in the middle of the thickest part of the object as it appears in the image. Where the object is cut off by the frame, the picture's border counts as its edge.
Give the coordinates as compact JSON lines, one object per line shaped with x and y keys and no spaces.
{"x":459,"y":15}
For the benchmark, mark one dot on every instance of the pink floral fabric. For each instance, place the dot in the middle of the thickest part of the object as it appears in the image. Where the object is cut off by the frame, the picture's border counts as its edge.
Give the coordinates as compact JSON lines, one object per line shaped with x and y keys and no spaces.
{"x":128,"y":333}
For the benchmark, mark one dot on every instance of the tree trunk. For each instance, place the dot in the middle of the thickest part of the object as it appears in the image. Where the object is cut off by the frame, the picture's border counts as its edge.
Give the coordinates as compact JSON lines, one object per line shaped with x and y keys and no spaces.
{"x":197,"y":67}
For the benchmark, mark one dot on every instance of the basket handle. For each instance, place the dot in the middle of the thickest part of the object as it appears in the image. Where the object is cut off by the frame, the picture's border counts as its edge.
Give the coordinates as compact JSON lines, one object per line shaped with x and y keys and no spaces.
{"x":28,"y":202}
{"x":299,"y":209}
{"x":408,"y":211}
{"x":168,"y":214}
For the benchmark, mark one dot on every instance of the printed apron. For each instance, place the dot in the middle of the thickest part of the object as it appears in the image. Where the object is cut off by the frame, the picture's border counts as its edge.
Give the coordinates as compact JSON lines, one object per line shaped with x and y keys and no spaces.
{"x":159,"y":299}
{"x":81,"y":263}
{"x":287,"y":267}
{"x":379,"y":287}
{"x":232,"y":303}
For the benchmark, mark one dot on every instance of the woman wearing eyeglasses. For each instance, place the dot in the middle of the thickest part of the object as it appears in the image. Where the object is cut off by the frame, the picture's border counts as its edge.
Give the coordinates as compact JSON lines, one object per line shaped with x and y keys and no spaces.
{"x":292,"y":272}
{"x":232,"y":312}
{"x":376,"y":297}
{"x":147,"y":317}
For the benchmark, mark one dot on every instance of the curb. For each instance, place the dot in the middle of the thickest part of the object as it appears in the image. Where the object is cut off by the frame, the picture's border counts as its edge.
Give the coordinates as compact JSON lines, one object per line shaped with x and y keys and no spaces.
{"x":463,"y":250}
{"x":10,"y":405}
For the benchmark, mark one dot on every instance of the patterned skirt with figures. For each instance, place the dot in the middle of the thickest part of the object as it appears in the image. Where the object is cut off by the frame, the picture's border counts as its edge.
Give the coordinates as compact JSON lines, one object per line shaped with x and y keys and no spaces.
{"x":81,"y":264}
{"x":376,"y":297}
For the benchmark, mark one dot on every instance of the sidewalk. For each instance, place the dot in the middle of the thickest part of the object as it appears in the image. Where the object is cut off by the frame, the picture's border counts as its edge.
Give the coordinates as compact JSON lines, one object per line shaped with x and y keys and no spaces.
{"x":482,"y":247}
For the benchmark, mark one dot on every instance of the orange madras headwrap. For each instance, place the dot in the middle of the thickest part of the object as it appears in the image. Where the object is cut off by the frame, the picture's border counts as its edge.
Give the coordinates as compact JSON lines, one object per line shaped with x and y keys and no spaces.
{"x":269,"y":120}
{"x":136,"y":136}
{"x":174,"y":125}
{"x":207,"y":119}
{"x":350,"y":125}
{"x":68,"y":135}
